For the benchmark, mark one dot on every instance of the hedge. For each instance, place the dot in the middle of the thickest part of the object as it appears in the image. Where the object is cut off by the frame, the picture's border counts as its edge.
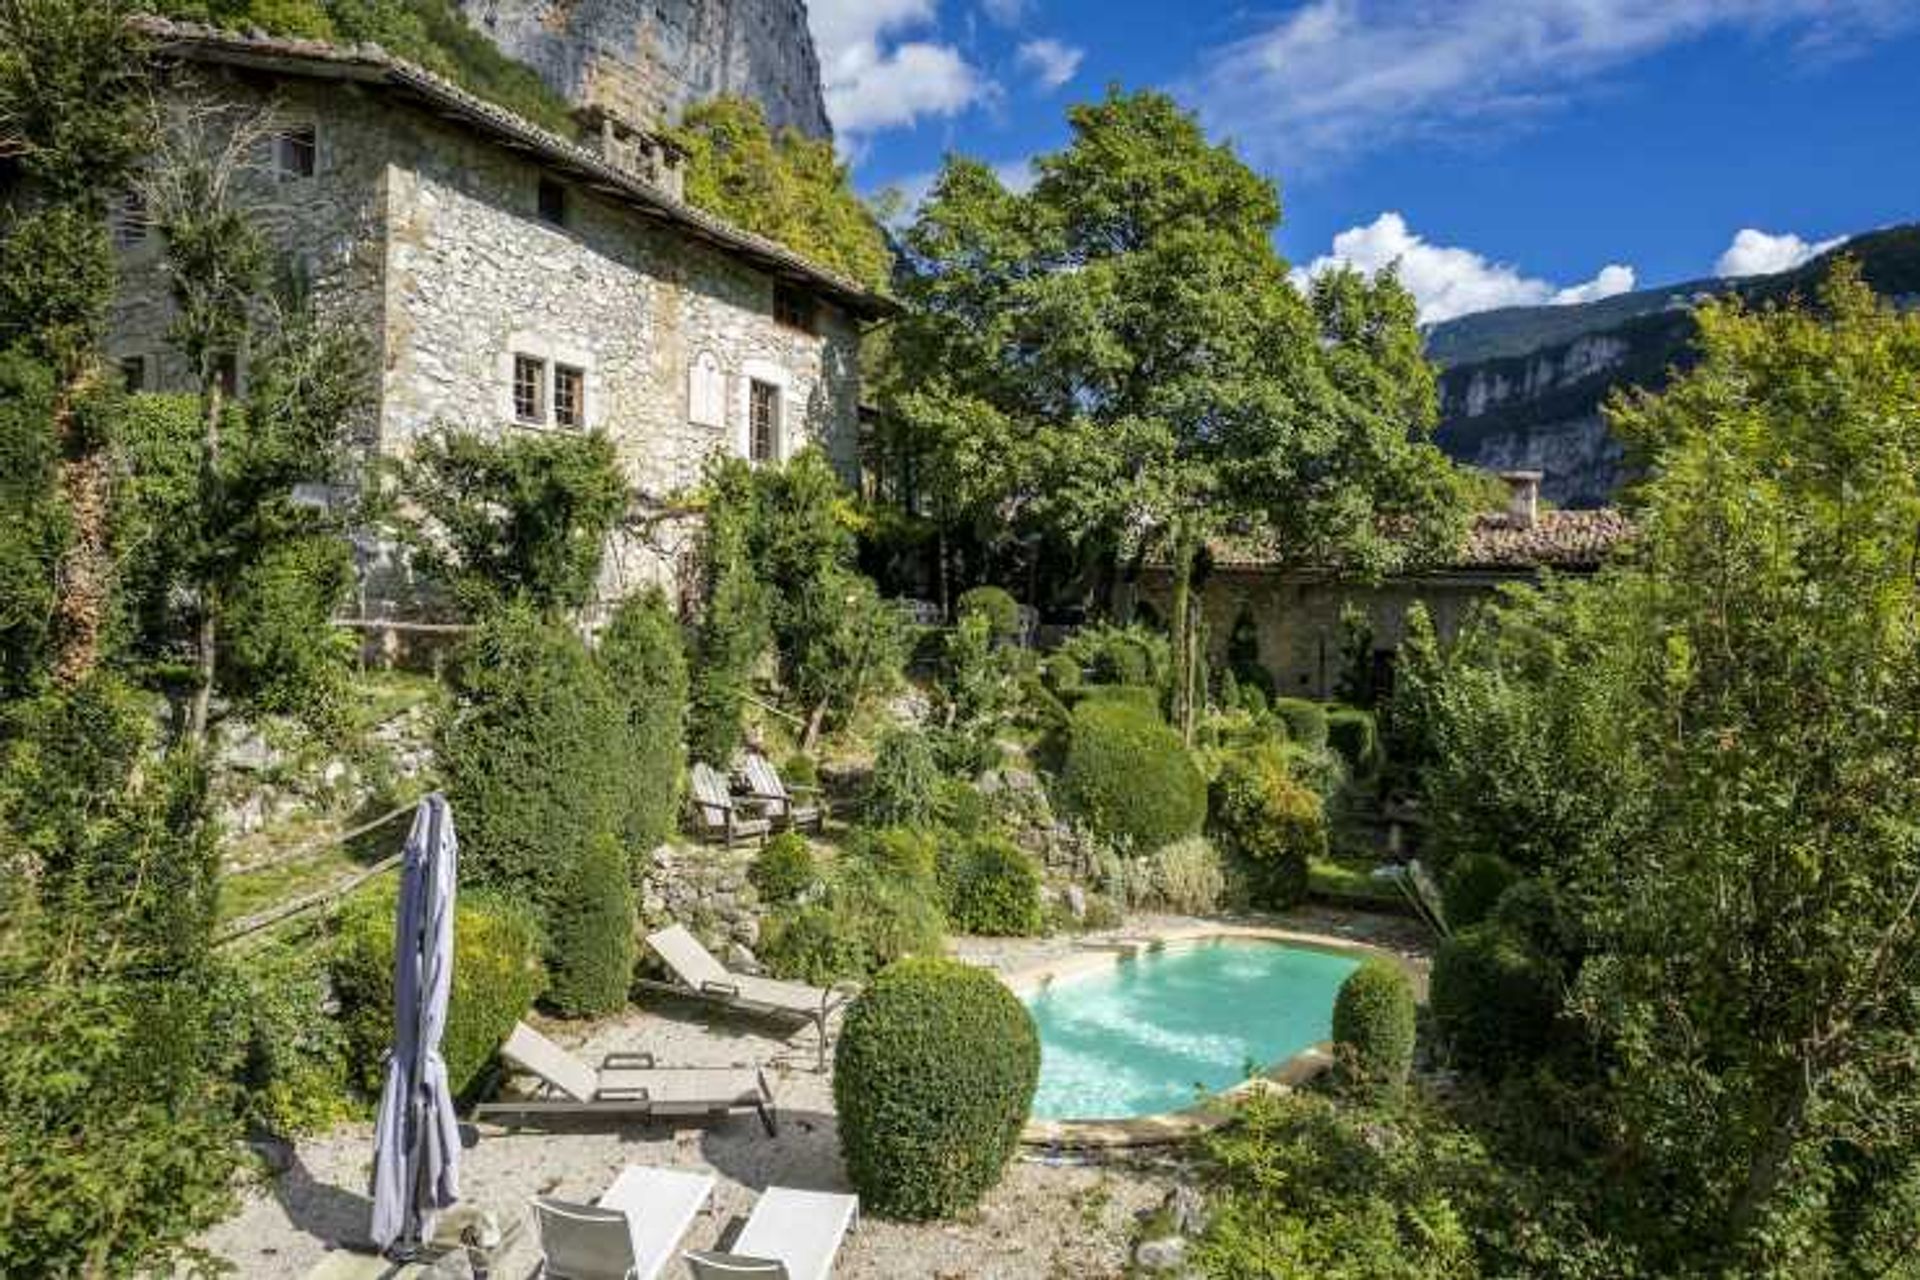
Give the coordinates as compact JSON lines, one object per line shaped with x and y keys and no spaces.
{"x":497,"y":975}
{"x":1493,"y":999}
{"x":783,"y":870}
{"x":1000,"y":609}
{"x":590,"y":945}
{"x":933,"y":1078}
{"x":1269,"y":823}
{"x":995,"y":890}
{"x":1306,"y":721}
{"x":1374,"y":1027}
{"x":645,"y":661}
{"x":1471,"y":887}
{"x":1130,"y":778}
{"x":1353,"y":732}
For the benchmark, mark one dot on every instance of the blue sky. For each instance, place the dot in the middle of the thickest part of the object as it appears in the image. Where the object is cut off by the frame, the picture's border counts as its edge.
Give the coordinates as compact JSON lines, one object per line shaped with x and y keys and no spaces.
{"x":1502,"y":151}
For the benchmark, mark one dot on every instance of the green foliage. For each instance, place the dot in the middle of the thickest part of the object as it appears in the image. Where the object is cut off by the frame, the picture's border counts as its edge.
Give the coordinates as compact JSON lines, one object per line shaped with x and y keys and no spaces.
{"x":56,"y":282}
{"x":993,"y":889}
{"x":525,"y":517}
{"x":1306,"y":721}
{"x":734,"y":629}
{"x":1538,"y":914}
{"x":780,"y":184}
{"x":1129,"y":777}
{"x":864,"y":919}
{"x":1062,"y":673}
{"x":1186,"y":877}
{"x":933,"y":1077}
{"x":1352,"y":732}
{"x":1130,"y":655}
{"x":1494,"y":1001}
{"x":532,"y":757}
{"x":784,"y":869}
{"x":294,"y":1071}
{"x":900,"y":853}
{"x":590,"y":934}
{"x":1268,"y":823}
{"x":641,"y":652}
{"x":1373,"y":1027}
{"x":905,"y":776}
{"x":1000,"y":609}
{"x":1472,"y":886}
{"x":279,"y":646}
{"x":982,"y":691}
{"x":495,"y":982}
{"x":33,"y":523}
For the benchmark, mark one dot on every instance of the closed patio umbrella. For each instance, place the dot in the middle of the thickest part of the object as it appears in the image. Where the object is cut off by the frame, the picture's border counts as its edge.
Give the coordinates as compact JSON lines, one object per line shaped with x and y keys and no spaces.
{"x":416,"y":1153}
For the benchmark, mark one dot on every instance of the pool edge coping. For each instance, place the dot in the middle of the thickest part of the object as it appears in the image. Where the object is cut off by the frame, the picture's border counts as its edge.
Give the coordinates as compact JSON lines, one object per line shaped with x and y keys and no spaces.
{"x":1169,"y":1127}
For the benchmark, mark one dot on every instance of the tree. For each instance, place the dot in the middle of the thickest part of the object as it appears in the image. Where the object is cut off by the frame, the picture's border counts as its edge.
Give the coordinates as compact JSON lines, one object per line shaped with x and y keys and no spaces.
{"x":732,"y":632}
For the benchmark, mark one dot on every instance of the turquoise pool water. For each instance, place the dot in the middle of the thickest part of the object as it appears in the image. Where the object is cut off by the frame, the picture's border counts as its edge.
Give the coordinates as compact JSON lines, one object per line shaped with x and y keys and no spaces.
{"x":1140,"y":1038}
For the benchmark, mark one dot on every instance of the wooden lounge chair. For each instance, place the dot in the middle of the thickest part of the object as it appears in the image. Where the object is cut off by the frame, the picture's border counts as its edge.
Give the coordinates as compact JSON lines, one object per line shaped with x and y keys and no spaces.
{"x":698,"y":974}
{"x":791,"y":1235}
{"x":777,"y":799}
{"x":630,"y":1233}
{"x":716,"y":814}
{"x":626,"y":1085}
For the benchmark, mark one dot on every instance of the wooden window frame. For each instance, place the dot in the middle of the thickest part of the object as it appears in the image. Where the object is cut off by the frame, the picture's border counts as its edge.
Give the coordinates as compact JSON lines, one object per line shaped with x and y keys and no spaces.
{"x":761,"y":396}
{"x":296,"y":152}
{"x":529,"y":392}
{"x":569,"y":397}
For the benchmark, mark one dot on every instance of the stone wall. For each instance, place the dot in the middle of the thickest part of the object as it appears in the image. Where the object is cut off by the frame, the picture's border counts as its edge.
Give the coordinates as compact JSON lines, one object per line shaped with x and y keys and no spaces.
{"x":647,"y":60}
{"x":707,"y":891}
{"x":1298,"y":618}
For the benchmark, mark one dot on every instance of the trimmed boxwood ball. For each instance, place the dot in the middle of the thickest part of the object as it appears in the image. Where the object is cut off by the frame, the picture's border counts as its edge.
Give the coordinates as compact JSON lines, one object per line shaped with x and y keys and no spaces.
{"x":1306,"y":721}
{"x":933,"y":1078}
{"x":1493,"y":1000}
{"x":995,"y":890}
{"x":591,"y":949}
{"x":497,"y":975}
{"x":783,"y":870}
{"x":1472,"y":886}
{"x":1001,"y":610}
{"x":1373,"y":1027}
{"x":1352,"y":732}
{"x":1130,"y":777}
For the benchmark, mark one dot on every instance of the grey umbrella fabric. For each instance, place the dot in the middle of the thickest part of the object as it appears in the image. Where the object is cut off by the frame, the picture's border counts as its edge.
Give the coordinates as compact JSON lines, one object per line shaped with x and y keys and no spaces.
{"x":416,"y":1153}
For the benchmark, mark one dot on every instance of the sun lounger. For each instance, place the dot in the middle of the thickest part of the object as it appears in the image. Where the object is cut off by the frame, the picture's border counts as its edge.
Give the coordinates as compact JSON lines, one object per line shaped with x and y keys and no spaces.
{"x":627,"y":1085}
{"x":791,"y":1235}
{"x":630,"y":1233}
{"x":716,"y":814}
{"x":700,"y":975}
{"x":777,"y":800}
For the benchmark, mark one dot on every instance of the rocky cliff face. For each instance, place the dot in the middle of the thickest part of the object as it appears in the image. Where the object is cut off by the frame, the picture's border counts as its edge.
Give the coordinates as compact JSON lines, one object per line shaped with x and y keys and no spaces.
{"x":646,"y":60}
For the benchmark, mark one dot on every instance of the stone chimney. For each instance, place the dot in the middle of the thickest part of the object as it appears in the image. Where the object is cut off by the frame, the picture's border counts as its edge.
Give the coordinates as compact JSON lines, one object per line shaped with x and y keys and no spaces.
{"x":641,"y":152}
{"x":1523,"y":497}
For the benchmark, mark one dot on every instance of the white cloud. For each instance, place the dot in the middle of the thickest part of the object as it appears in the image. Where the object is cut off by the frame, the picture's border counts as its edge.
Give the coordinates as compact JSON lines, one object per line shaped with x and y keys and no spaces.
{"x":1051,"y":62}
{"x":1335,"y":77}
{"x":1447,"y":281}
{"x":1007,"y":13}
{"x":877,"y":80}
{"x":1758,"y":253}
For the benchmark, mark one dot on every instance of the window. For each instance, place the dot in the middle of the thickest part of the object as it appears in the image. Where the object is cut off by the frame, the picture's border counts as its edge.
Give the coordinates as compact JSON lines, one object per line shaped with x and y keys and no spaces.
{"x":128,"y":221}
{"x":763,"y":421}
{"x":133,"y":373}
{"x":793,"y":307}
{"x":569,"y":396}
{"x":294,"y":152}
{"x":226,"y":374}
{"x":530,"y":389}
{"x":553,"y":202}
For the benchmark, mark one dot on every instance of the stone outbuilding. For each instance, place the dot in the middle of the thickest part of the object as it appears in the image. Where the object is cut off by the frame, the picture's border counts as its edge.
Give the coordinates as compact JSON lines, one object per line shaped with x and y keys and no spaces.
{"x":1305,"y":625}
{"x":510,"y":280}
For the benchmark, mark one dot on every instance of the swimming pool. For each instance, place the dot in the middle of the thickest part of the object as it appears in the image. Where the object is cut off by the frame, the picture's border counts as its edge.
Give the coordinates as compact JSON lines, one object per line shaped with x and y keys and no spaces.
{"x":1147,"y":1034}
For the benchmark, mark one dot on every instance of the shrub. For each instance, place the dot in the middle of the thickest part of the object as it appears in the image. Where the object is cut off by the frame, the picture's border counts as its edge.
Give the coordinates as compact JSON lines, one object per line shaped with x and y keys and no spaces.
{"x":1062,"y":673}
{"x":645,"y":662}
{"x":1306,"y":721}
{"x":1493,"y":1000}
{"x":276,"y":646}
{"x":1373,"y":1026}
{"x":1253,"y":700}
{"x":1000,"y":609}
{"x":783,"y":870}
{"x":497,"y":975}
{"x":1140,"y":696}
{"x":905,"y":775}
{"x":863,"y":920}
{"x":1185,"y":877}
{"x":591,"y":940}
{"x":1533,"y":911}
{"x":995,"y":890}
{"x":958,"y":805}
{"x":293,"y":1069}
{"x":1130,"y":777}
{"x":899,"y":853}
{"x":1270,"y":824}
{"x":933,"y":1078}
{"x":799,"y":770}
{"x":1472,"y":886}
{"x":531,"y":755}
{"x":1352,"y":732}
{"x":1319,"y":769}
{"x":1119,"y":655}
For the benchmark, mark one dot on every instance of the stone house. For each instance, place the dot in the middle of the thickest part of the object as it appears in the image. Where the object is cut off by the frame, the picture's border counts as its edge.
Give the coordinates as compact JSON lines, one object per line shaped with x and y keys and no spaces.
{"x":511,"y":280}
{"x":1299,"y":619}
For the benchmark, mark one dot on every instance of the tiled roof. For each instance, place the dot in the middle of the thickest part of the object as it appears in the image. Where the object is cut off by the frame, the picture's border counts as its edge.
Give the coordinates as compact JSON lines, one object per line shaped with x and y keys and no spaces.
{"x":1576,"y":540}
{"x":370,"y":64}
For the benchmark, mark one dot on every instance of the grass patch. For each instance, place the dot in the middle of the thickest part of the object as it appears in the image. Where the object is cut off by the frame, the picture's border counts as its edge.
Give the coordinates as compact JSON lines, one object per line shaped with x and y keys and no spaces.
{"x":1350,"y":882}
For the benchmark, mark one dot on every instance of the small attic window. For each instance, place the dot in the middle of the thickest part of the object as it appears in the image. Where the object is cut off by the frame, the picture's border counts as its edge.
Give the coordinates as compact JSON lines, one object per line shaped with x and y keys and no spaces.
{"x":553,"y":202}
{"x":295,"y":152}
{"x":794,"y":307}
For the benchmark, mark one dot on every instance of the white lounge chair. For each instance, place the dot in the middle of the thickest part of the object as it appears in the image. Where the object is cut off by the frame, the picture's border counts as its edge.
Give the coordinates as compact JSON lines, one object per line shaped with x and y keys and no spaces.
{"x":716,"y":814}
{"x":702,"y":976}
{"x":630,"y":1233}
{"x":626,"y":1085}
{"x":776,"y":799}
{"x":791,"y":1235}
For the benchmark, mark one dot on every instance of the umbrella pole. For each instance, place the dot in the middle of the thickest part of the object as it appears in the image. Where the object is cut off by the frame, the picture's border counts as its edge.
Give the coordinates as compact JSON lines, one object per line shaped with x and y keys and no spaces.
{"x":411,"y":1246}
